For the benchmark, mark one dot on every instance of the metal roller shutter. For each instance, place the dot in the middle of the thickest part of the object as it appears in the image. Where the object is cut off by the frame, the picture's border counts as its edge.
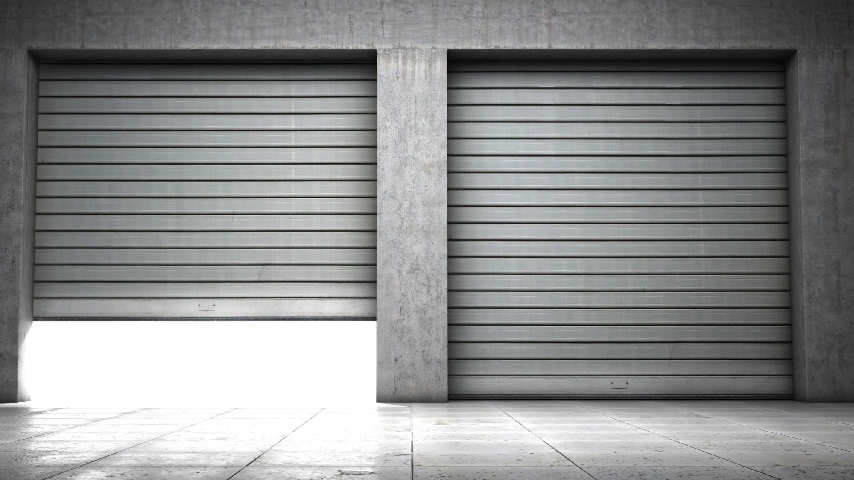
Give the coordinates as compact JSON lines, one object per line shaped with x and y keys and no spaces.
{"x":206,"y":191}
{"x":618,"y":229}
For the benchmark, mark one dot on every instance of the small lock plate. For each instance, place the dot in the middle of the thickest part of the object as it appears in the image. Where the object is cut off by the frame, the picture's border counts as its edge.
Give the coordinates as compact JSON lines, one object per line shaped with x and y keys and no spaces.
{"x":207,"y":306}
{"x":619,"y":383}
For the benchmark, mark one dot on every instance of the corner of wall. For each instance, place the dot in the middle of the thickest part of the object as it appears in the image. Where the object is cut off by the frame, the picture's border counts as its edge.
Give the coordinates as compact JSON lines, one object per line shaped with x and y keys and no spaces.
{"x":800,"y":373}
{"x":30,"y":140}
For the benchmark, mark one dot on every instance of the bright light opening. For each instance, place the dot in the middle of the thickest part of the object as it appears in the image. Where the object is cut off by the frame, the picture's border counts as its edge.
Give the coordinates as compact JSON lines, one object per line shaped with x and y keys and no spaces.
{"x":201,"y":363}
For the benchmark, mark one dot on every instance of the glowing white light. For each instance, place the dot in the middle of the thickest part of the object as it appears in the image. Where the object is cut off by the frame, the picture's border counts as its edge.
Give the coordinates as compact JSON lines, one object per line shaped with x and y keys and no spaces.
{"x":225,"y":363}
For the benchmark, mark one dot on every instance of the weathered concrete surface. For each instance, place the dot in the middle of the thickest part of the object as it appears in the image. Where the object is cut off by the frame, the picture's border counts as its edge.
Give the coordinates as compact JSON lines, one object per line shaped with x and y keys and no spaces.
{"x":586,"y":24}
{"x":412,"y":200}
{"x":15,"y":220}
{"x":823,"y":229}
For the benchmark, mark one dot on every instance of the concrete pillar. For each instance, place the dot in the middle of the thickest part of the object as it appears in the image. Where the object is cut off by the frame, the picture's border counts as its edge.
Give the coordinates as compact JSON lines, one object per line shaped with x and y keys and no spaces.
{"x":412,"y":179}
{"x":17,"y":166}
{"x":821,"y":150}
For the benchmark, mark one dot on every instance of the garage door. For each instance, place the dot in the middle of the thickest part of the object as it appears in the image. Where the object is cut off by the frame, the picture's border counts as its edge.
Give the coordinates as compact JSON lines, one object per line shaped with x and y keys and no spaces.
{"x":618,"y":229}
{"x":206,"y":191}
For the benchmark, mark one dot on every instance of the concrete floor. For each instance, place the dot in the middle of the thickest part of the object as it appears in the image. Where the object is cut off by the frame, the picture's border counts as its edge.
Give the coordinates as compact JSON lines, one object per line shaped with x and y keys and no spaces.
{"x":606,"y":440}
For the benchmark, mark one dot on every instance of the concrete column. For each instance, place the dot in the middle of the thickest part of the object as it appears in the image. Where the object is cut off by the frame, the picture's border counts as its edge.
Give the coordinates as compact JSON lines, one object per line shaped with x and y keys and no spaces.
{"x":821,"y":150}
{"x":17,"y":165}
{"x":412,"y":201}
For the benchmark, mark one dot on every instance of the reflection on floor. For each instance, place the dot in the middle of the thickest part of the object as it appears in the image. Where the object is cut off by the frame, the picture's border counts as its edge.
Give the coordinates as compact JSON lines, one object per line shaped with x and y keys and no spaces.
{"x":461,"y":440}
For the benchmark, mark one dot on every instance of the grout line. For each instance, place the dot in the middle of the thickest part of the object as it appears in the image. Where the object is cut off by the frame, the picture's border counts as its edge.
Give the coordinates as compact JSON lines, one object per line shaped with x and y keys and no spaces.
{"x":680,"y":443}
{"x":71,"y":427}
{"x":140,"y":443}
{"x":547,"y":443}
{"x":274,"y":445}
{"x":770,"y":431}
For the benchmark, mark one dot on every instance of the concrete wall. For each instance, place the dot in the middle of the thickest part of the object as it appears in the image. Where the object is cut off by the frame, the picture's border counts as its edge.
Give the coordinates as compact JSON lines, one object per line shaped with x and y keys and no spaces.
{"x":412,"y":224}
{"x":822,"y":196}
{"x":16,"y":216}
{"x":411,"y":37}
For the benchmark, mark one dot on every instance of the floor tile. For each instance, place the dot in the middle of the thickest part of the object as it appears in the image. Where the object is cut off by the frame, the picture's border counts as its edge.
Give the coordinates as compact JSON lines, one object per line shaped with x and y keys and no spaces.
{"x":324,"y":473}
{"x":810,"y":473}
{"x":675,"y":473}
{"x":35,"y":459}
{"x":500,"y":473}
{"x":149,"y":473}
{"x":653,"y":459}
{"x":488,"y":458}
{"x":753,"y":458}
{"x":333,"y":458}
{"x":133,"y":458}
{"x":28,"y":472}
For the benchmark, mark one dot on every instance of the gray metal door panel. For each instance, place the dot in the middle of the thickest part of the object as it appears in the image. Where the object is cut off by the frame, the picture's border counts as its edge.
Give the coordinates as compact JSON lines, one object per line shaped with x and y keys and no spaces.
{"x":232,"y":206}
{"x":208,"y":156}
{"x":198,"y":105}
{"x":618,"y":229}
{"x":195,"y":122}
{"x":206,"y":191}
{"x":617,"y":96}
{"x":610,"y":198}
{"x":207,"y":88}
{"x":229,"y":240}
{"x":207,"y":72}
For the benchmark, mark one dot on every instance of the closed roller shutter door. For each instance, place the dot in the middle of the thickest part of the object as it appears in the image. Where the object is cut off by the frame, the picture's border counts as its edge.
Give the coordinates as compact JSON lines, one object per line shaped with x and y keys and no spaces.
{"x":206,"y":191}
{"x":618,"y":229}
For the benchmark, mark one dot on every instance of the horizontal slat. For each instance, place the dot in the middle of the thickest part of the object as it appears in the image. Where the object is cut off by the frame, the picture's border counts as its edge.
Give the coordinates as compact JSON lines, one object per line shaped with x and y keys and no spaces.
{"x":217,"y":105}
{"x":205,"y":239}
{"x":622,"y":299}
{"x":505,"y":130}
{"x":204,"y":256}
{"x":206,"y":172}
{"x":262,"y":273}
{"x":598,"y":181}
{"x":617,"y":80}
{"x":653,"y":386}
{"x":619,"y":367}
{"x":207,"y":189}
{"x":207,"y":205}
{"x":616,"y":113}
{"x":232,"y":155}
{"x":189,"y":308}
{"x":629,"y":317}
{"x":629,"y":266}
{"x":205,"y":290}
{"x":206,"y":222}
{"x":672,"y":198}
{"x":207,"y":88}
{"x":209,"y":122}
{"x":616,"y":351}
{"x":639,"y":283}
{"x":521,"y":164}
{"x":721,"y":231}
{"x":625,"y":333}
{"x":611,"y":214}
{"x":735,"y":67}
{"x":593,"y":96}
{"x":653,"y":248}
{"x":60,"y":71}
{"x":505,"y":146}
{"x":208,"y":138}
